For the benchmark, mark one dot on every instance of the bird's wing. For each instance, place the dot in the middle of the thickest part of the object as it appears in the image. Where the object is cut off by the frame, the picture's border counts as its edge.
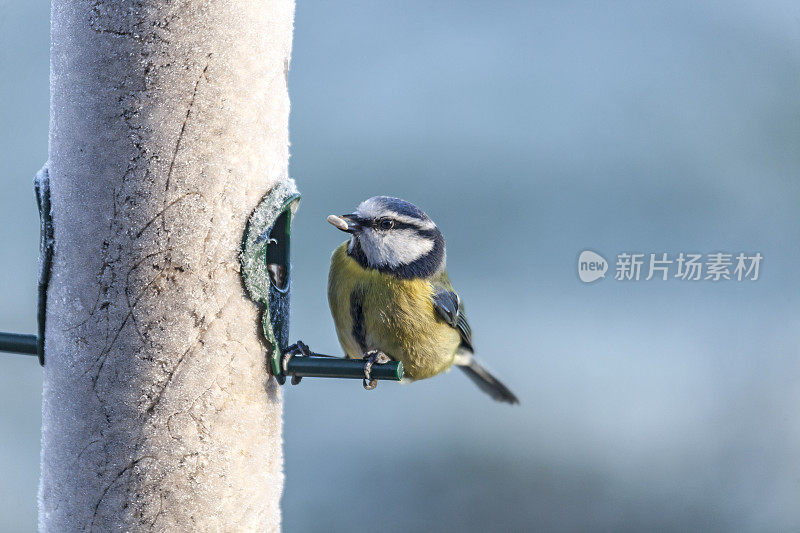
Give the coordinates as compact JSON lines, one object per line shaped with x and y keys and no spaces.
{"x":451,"y":309}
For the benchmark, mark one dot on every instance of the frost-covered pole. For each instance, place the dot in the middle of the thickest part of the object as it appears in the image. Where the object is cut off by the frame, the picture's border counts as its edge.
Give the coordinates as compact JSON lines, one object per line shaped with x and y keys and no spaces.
{"x":169,"y":122}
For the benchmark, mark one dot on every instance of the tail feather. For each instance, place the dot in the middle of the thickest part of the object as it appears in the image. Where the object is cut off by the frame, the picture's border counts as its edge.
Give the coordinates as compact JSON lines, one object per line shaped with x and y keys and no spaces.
{"x":487,"y":382}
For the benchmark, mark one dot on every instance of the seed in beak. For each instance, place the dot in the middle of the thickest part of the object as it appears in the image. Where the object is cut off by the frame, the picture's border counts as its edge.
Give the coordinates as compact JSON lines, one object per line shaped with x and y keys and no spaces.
{"x":338,"y":222}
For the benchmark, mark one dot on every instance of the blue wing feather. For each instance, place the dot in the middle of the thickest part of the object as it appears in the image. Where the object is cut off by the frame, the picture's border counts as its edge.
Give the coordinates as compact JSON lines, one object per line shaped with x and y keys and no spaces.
{"x":449,"y":306}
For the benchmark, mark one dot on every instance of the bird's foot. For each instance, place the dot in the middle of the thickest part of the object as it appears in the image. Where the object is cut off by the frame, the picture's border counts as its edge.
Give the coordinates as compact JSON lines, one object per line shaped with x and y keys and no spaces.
{"x":372,"y":357}
{"x":297,"y":349}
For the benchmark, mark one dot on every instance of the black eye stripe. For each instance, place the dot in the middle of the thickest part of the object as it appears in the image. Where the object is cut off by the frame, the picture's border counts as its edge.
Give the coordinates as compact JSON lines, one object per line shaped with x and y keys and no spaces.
{"x":397,"y":225}
{"x":429,"y":233}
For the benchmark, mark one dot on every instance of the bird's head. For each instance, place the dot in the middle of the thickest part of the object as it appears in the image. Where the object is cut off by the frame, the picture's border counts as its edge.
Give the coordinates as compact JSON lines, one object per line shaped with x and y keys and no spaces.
{"x":393,"y":236}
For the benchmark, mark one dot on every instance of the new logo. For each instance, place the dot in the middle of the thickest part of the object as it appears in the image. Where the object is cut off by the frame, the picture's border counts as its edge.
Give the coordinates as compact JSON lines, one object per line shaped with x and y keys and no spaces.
{"x":591,"y":266}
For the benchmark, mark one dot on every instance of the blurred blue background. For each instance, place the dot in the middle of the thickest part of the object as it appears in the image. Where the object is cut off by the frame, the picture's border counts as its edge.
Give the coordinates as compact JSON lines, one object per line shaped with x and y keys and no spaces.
{"x":529,"y":131}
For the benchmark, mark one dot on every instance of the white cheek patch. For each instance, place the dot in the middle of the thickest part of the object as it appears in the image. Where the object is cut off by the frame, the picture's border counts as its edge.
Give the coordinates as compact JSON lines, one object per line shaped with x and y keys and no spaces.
{"x":394,"y":248}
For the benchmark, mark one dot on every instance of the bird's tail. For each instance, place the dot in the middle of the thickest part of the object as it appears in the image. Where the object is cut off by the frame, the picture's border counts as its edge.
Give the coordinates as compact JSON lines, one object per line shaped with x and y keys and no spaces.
{"x":486,"y":381}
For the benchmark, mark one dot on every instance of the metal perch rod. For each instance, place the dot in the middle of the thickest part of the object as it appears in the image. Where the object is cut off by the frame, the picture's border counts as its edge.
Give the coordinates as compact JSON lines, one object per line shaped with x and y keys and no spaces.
{"x":314,"y":366}
{"x":17,"y":343}
{"x":335,"y":367}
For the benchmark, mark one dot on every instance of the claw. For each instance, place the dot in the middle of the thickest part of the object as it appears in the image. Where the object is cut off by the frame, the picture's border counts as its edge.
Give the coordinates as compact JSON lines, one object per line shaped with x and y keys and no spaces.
{"x":371,"y":358}
{"x":288,"y":354}
{"x":298,"y":348}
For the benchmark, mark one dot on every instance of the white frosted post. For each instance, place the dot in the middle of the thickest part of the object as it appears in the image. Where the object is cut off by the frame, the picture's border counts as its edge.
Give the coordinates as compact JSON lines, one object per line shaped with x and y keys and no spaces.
{"x":168,"y":123}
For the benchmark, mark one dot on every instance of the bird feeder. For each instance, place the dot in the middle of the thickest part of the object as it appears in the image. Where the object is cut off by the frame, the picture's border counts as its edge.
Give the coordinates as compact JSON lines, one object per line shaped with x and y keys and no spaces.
{"x":266,"y":273}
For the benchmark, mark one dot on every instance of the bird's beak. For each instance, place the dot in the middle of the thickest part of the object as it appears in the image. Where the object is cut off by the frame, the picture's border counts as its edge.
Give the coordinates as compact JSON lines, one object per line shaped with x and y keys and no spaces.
{"x":346,"y":223}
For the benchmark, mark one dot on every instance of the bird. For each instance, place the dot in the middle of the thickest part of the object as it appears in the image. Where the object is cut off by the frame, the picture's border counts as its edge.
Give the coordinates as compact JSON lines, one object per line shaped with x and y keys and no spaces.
{"x":391,"y":297}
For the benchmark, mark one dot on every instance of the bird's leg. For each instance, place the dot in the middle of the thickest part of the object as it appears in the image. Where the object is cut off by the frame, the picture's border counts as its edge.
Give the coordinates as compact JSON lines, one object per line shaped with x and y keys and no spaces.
{"x":372,"y":357}
{"x":298,"y":348}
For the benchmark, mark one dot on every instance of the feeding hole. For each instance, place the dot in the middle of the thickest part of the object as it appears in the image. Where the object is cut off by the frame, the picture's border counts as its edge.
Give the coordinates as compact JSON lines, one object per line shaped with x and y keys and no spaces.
{"x":277,"y":255}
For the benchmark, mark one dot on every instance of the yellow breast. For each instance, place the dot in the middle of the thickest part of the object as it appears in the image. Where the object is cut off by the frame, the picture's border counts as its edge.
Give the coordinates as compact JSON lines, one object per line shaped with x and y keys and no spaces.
{"x":376,"y":311}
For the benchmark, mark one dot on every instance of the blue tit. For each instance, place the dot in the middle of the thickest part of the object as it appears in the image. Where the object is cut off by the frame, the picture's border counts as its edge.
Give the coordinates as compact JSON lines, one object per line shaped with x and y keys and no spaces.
{"x":389,"y":294}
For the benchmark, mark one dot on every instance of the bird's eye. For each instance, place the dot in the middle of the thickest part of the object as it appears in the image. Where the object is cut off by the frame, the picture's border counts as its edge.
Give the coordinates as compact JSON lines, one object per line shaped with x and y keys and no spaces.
{"x":386,"y":223}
